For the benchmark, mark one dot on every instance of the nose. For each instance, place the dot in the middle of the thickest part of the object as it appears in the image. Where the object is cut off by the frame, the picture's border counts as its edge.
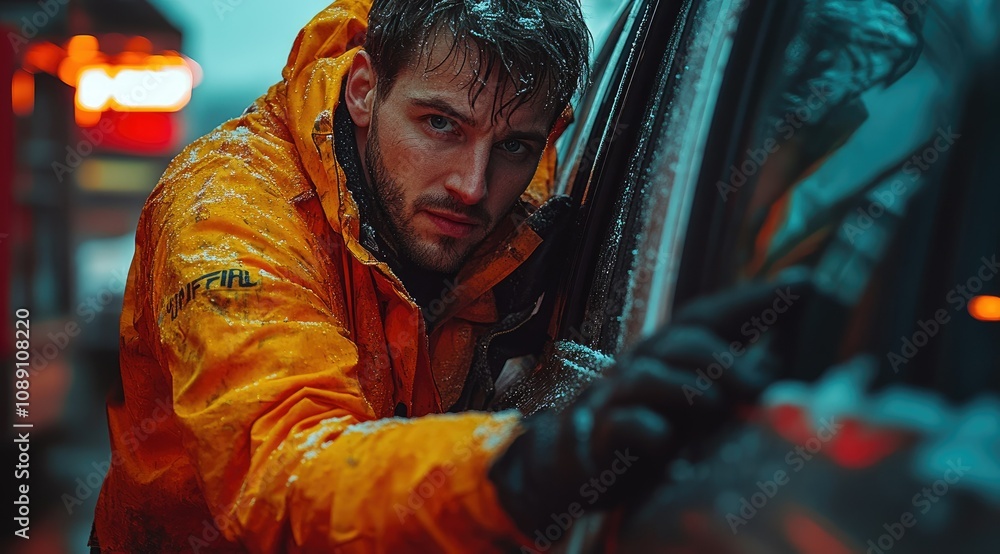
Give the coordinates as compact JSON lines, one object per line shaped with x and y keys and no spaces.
{"x":467,"y":182}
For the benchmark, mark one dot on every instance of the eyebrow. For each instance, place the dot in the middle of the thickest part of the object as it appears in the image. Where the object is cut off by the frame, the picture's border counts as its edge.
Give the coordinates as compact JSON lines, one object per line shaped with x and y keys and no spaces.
{"x":439,"y":104}
{"x":532,"y":136}
{"x":443,"y":107}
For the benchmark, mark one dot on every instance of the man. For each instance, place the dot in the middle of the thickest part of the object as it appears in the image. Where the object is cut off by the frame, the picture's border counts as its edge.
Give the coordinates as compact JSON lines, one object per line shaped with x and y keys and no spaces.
{"x":309,"y":285}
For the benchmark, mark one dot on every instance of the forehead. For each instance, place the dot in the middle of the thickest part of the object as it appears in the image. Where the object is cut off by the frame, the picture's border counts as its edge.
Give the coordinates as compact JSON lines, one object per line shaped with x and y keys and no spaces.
{"x":457,"y":71}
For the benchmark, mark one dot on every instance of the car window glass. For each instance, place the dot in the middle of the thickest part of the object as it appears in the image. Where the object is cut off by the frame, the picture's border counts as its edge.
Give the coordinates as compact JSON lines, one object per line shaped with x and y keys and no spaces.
{"x":858,"y":112}
{"x":580,"y":143}
{"x":841,"y":163}
{"x":601,"y":16}
{"x":681,"y":126}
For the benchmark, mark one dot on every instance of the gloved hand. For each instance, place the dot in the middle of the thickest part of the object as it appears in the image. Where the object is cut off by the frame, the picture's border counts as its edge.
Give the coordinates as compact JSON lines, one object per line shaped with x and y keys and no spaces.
{"x":680,"y":385}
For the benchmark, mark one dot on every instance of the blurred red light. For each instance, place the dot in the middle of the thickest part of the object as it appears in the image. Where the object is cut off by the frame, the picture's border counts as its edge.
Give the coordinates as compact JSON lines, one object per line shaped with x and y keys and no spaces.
{"x":143,"y":133}
{"x":153,"y":129}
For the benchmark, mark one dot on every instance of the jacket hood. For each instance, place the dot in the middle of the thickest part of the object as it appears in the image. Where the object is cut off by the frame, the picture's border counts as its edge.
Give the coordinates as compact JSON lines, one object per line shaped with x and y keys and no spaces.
{"x":340,"y":27}
{"x":312,"y":78}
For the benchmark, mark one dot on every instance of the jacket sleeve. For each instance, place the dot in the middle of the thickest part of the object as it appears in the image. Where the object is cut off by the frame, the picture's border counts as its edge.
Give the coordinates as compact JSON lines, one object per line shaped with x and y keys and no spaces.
{"x":288,"y":453}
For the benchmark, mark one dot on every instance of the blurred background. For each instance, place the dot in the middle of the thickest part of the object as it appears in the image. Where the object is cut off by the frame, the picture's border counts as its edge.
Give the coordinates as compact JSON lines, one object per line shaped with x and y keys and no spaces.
{"x":84,"y":142}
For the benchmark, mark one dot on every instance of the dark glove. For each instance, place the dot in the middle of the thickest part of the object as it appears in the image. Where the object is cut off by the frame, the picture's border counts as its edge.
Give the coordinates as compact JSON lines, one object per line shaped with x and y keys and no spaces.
{"x":678,"y":386}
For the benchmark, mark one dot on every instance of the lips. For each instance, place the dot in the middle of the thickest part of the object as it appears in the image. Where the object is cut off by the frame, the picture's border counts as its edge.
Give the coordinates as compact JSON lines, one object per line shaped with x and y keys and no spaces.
{"x":451,"y":224}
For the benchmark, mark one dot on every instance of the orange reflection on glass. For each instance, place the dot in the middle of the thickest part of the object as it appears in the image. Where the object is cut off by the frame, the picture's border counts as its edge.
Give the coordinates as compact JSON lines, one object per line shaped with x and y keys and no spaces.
{"x":43,"y":56}
{"x":141,"y":45}
{"x":985,"y":308}
{"x":81,"y":51}
{"x":86,"y":118}
{"x":82,"y":47}
{"x":22,"y":90}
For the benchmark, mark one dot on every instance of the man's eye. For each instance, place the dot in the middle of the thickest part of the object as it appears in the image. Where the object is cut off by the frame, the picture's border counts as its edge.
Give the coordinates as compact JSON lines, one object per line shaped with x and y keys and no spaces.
{"x":513,"y":146}
{"x":439,"y":123}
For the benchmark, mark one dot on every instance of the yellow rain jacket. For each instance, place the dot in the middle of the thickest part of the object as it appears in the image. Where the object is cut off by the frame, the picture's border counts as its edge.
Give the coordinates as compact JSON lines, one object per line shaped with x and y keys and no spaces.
{"x":264,"y":351}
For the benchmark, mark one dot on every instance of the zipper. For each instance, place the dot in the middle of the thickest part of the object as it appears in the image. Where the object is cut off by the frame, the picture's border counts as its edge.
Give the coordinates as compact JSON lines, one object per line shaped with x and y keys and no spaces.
{"x":485,"y":375}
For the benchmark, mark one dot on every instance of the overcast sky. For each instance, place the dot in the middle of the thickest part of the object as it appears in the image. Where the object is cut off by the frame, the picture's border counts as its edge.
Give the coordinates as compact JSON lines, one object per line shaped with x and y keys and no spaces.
{"x":243,"y":44}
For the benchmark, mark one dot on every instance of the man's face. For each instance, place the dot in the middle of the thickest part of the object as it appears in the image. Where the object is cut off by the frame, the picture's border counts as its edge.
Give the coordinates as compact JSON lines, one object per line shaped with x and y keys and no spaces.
{"x":447,"y":171}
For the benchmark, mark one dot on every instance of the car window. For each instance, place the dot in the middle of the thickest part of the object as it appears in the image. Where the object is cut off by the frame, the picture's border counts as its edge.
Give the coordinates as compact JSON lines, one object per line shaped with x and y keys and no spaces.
{"x":767,"y":127}
{"x":600,"y":151}
{"x":601,"y":17}
{"x":582,"y":141}
{"x":680,"y":124}
{"x":642,"y":181}
{"x":835,"y":157}
{"x":858,"y":110}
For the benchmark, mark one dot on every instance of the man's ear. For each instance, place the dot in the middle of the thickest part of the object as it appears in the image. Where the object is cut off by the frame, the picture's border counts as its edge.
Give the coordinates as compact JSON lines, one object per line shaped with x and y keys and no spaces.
{"x":360,"y":92}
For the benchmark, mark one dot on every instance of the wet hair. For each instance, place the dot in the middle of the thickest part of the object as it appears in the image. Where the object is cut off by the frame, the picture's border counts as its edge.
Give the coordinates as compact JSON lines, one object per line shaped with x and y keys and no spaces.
{"x":537,"y":46}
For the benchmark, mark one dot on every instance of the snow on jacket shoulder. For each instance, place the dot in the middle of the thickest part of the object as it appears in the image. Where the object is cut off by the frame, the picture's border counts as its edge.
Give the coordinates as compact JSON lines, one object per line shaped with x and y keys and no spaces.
{"x":264,"y":352}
